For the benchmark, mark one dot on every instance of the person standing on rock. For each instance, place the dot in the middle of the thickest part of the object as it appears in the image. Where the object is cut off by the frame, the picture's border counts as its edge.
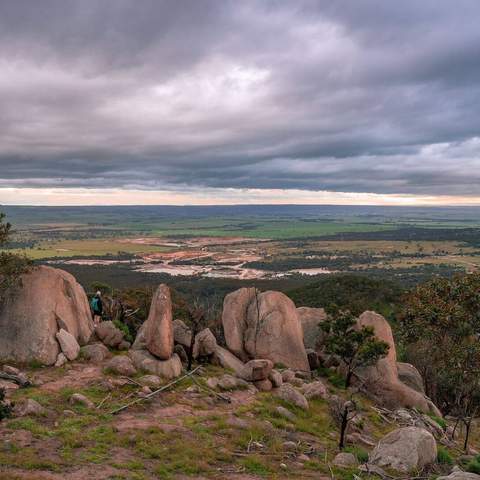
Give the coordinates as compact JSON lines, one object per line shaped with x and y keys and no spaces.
{"x":97,"y":308}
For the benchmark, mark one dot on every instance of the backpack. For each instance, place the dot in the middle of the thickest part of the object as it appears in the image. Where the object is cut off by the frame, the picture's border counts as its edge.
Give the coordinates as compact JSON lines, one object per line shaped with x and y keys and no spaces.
{"x":94,"y":304}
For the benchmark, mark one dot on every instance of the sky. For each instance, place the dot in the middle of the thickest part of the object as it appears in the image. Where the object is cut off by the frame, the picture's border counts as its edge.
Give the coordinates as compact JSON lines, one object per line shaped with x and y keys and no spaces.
{"x":221,"y":102}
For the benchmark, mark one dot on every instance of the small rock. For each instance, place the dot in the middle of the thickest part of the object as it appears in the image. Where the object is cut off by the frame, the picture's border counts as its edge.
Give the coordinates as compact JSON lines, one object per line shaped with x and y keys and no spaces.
{"x":69,"y":413}
{"x":79,"y":399}
{"x":236,"y":422}
{"x":303,"y":375}
{"x":150,"y":381}
{"x":192,"y":389}
{"x":315,"y":390}
{"x":285,"y":413}
{"x":11,"y":370}
{"x":95,"y":353}
{"x":297,"y":382}
{"x":61,"y":360}
{"x":263,"y":385}
{"x":228,"y":382}
{"x":121,"y":365}
{"x":289,"y":446}
{"x":283,"y":466}
{"x":30,"y":408}
{"x":212,"y":382}
{"x":181,"y":333}
{"x":109,"y":334}
{"x":123,"y":345}
{"x":68,"y":344}
{"x":180,"y":351}
{"x":459,"y":475}
{"x":288,"y":375}
{"x":344,"y":459}
{"x":303,"y":458}
{"x":205,"y":344}
{"x":258,"y":369}
{"x":276,"y":378}
{"x":289,"y":394}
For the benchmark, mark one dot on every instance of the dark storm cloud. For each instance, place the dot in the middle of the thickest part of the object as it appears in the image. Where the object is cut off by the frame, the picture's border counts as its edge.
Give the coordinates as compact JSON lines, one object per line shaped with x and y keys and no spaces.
{"x":363,"y":96}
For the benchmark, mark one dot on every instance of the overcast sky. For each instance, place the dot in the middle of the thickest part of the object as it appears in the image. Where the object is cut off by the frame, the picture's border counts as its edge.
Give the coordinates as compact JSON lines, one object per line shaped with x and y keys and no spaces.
{"x":189,"y":101}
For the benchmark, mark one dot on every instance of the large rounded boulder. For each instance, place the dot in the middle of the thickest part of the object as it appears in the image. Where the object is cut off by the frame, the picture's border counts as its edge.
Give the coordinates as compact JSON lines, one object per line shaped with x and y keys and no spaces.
{"x":311,"y":319}
{"x":406,"y":450}
{"x":266,"y":326}
{"x":47,"y":301}
{"x":234,"y":319}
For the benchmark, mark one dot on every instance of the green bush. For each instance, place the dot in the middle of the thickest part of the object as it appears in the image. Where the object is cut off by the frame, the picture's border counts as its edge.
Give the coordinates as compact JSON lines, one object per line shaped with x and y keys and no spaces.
{"x":360,"y":454}
{"x":474,"y":465}
{"x":439,"y":420}
{"x":443,"y":457}
{"x":123,"y":328}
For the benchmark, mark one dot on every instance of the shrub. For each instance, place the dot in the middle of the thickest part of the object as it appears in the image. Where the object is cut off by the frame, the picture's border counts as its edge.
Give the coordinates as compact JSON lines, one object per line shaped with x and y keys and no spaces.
{"x":439,"y":420}
{"x":474,"y":465}
{"x":5,"y":408}
{"x":443,"y":457}
{"x":360,"y":454}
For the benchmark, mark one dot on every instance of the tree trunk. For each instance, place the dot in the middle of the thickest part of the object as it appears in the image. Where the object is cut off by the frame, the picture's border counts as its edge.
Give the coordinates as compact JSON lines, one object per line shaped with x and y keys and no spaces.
{"x":343,"y":428}
{"x":348,"y":380}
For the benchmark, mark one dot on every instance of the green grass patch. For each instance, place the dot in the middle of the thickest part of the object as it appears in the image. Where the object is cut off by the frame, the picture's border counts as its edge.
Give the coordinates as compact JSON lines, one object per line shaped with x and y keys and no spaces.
{"x":443,"y":456}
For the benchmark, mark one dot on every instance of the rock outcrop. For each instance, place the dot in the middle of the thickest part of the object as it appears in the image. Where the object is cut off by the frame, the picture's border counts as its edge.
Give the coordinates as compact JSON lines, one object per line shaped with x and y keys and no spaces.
{"x":405,"y":449}
{"x":291,"y":395}
{"x":382,"y":380}
{"x":109,"y":334}
{"x":311,"y":319}
{"x":153,"y":349}
{"x":144,"y":361}
{"x":410,"y":376}
{"x":181,"y":333}
{"x":156,"y":334}
{"x":48,"y":300}
{"x":264,"y":325}
{"x":234,"y":319}
{"x":68,"y":344}
{"x":459,"y":475}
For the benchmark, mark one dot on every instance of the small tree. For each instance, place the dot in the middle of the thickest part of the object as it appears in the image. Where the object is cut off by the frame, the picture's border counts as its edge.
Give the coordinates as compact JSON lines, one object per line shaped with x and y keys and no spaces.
{"x":11,"y":265}
{"x":343,"y":412}
{"x":355,"y":347}
{"x":440,"y":327}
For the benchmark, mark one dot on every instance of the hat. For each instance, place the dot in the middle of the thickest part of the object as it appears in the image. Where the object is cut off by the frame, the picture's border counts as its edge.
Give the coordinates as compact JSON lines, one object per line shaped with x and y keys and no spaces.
{"x":99,"y":293}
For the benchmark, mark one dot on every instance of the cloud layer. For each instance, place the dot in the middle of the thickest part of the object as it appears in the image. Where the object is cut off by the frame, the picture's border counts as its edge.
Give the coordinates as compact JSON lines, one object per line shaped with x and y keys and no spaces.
{"x":320,"y":95}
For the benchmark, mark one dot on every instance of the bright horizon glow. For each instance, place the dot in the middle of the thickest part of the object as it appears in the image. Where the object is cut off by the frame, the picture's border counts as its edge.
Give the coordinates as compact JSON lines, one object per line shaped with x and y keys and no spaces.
{"x":218,"y":196}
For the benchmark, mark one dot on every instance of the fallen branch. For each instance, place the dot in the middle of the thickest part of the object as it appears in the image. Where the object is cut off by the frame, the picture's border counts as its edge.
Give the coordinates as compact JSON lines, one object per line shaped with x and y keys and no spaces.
{"x":103,"y":401}
{"x":131,"y":380}
{"x":22,"y":381}
{"x":150,"y":395}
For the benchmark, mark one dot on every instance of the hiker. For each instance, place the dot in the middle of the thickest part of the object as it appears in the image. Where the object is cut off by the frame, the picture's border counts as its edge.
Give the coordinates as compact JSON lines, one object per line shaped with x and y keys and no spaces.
{"x":97,"y":308}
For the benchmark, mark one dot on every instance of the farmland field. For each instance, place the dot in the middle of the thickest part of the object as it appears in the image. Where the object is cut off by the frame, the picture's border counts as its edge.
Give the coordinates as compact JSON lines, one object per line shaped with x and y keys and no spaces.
{"x":248,"y":243}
